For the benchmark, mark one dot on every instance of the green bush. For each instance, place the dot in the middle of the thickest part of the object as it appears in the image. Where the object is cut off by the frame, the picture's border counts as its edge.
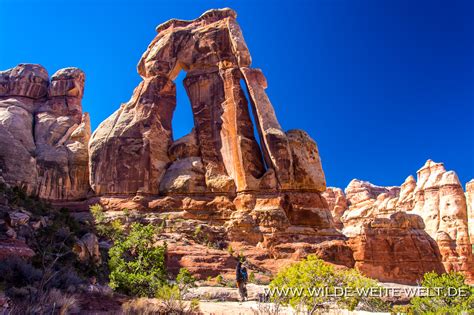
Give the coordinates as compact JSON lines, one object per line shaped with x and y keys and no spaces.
{"x":185,"y":280}
{"x":440,"y":301}
{"x":137,"y":267}
{"x":219,"y":279}
{"x":172,"y":301}
{"x":252,"y":277}
{"x":312,"y":275}
{"x":112,"y":230}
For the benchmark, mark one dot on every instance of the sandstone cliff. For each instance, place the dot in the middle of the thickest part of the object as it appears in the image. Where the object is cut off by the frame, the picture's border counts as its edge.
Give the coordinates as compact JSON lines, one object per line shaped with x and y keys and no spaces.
{"x":264,"y":193}
{"x":43,"y":132}
{"x":436,"y":197}
{"x":470,"y":208}
{"x":134,"y":150}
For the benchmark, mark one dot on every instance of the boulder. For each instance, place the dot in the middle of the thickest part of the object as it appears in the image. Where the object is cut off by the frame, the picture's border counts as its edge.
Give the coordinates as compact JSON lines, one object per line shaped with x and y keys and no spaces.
{"x":17,"y":218}
{"x":184,"y":176}
{"x":14,"y":248}
{"x":87,"y":249}
{"x":184,"y":147}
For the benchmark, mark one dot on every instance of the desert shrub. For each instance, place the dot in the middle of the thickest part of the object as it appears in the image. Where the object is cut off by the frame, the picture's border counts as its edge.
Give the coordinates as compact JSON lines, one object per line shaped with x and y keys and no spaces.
{"x":137,"y":266}
{"x":142,"y":306}
{"x":315,"y":285}
{"x":18,"y":196}
{"x":172,"y":301}
{"x":219,"y":279}
{"x":185,"y":280}
{"x":444,"y":300}
{"x":48,"y":302}
{"x":252,"y":277}
{"x":230,"y":250}
{"x":15,"y":271}
{"x":97,"y":213}
{"x":169,"y":298}
{"x":112,"y":230}
{"x":262,"y":308}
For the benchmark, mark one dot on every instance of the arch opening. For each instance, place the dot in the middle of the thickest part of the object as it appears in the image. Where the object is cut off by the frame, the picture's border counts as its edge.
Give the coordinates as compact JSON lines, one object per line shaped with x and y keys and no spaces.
{"x":183,"y":118}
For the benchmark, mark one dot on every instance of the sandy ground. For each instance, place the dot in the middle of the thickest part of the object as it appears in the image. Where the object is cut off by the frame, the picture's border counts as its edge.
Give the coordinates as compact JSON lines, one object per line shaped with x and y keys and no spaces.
{"x":249,"y":308}
{"x":244,"y":308}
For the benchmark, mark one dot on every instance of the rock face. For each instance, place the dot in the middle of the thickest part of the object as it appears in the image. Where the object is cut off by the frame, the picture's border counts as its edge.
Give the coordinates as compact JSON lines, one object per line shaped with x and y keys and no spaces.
{"x":436,"y":197}
{"x":132,"y":150}
{"x":43,"y":133}
{"x":266,"y":195}
{"x":396,"y":248}
{"x":470,"y":208}
{"x":337,"y":202}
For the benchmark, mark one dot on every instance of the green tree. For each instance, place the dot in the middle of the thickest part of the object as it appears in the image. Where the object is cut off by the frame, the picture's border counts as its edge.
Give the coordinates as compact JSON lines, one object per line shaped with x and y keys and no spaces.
{"x":315,"y":286}
{"x":137,"y":266}
{"x":448,"y":294}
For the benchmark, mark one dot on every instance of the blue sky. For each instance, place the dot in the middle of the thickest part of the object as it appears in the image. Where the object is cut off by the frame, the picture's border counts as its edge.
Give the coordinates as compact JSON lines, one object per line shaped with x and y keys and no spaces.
{"x":380,"y":85}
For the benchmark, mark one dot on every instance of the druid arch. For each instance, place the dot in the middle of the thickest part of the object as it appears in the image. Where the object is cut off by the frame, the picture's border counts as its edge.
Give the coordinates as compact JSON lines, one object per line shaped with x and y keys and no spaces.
{"x":133,"y":150}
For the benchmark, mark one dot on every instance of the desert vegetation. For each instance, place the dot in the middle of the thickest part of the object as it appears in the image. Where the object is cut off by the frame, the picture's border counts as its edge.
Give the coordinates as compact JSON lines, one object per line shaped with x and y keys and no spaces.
{"x":49,"y":281}
{"x":312,"y":275}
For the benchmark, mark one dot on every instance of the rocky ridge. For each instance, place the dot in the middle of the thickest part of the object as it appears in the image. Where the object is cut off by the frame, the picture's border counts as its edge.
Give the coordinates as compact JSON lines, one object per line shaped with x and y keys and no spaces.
{"x":436,"y":197}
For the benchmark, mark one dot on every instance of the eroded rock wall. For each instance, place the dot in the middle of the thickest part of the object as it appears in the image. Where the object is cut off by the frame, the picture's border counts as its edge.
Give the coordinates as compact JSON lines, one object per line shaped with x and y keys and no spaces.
{"x":231,"y":157}
{"x":436,"y":197}
{"x":470,"y":208}
{"x":396,"y":248}
{"x":43,"y":132}
{"x":264,"y":193}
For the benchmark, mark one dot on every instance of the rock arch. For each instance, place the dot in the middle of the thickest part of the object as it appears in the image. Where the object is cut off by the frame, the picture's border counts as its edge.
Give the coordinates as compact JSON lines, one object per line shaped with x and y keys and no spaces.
{"x":129,"y":152}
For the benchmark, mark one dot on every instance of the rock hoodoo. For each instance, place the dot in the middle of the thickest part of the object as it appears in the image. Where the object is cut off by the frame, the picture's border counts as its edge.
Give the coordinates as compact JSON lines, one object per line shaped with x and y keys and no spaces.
{"x":43,"y":132}
{"x":470,"y":208}
{"x":436,"y":197}
{"x":396,"y":249}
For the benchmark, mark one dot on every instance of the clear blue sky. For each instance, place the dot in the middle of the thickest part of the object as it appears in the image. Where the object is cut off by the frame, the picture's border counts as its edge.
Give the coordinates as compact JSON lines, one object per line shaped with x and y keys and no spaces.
{"x":380,"y":85}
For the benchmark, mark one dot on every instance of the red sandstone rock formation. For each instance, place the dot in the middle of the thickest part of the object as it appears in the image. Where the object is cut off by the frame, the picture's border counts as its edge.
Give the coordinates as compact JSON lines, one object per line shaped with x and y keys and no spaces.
{"x":267,"y":200}
{"x":43,"y":133}
{"x":132,"y":150}
{"x":396,"y":249}
{"x":269,"y":197}
{"x":337,"y":202}
{"x":470,"y":208}
{"x":436,"y":196}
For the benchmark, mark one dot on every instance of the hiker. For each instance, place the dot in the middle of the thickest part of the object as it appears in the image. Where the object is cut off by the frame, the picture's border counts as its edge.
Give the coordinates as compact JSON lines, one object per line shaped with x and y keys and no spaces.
{"x":241,"y":277}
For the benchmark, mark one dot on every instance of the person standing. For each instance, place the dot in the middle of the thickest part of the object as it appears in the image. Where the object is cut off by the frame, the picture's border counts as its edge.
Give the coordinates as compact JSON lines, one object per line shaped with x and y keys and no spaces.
{"x":241,"y":277}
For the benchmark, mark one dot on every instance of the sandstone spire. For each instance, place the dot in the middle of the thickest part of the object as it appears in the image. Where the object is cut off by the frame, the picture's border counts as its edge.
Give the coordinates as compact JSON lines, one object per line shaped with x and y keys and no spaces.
{"x":43,"y":132}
